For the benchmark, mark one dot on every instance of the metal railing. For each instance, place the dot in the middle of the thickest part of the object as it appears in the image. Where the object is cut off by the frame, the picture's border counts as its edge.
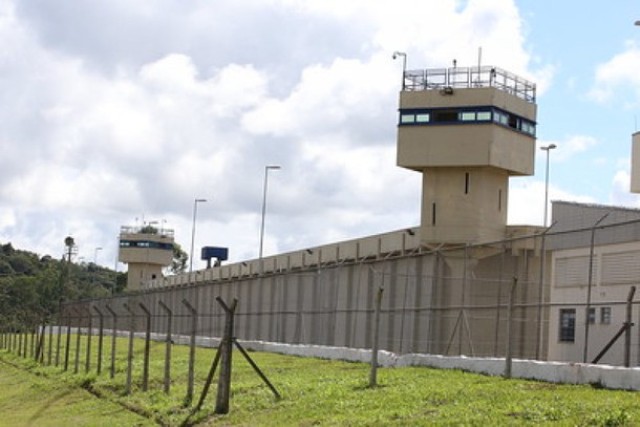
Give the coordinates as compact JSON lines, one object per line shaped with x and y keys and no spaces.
{"x":469,"y":77}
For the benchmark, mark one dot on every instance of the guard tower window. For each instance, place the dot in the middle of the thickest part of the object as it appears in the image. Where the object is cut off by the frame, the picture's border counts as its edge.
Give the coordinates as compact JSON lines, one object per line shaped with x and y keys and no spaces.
{"x":440,"y":116}
{"x":422,"y":118}
{"x":407,"y":118}
{"x":468,"y":116}
{"x":483,"y":116}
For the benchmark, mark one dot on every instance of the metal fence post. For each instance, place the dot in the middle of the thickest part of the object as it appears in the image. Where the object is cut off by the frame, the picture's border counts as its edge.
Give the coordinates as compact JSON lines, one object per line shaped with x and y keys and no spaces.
{"x":130,"y":352}
{"x":78,"y":334}
{"x":192,"y":350}
{"x":373,"y":374}
{"x":50,"y":349}
{"x":68,"y":344}
{"x":87,"y":363}
{"x":147,"y":343}
{"x":59,"y":337}
{"x":508,"y":358}
{"x":167,"y":351}
{"x":226,"y":354}
{"x":114,"y":333}
{"x":100,"y":338}
{"x":628,"y":323}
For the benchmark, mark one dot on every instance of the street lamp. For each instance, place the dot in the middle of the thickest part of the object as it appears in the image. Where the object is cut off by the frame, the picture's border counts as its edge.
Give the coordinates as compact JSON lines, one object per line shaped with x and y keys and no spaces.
{"x":193,"y":230}
{"x":395,"y":55}
{"x":264,"y":203}
{"x":546,"y":182}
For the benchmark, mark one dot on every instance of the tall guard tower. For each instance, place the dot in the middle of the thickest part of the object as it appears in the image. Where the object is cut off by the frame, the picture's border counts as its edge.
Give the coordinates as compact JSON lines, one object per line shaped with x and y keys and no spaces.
{"x":467,"y":130}
{"x":146,"y":250}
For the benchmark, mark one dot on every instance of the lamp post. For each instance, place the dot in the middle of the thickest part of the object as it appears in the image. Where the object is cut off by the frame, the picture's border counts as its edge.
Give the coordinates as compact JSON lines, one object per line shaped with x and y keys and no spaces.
{"x":264,"y":203}
{"x":193,"y":230}
{"x":395,"y":55}
{"x":547,"y":148}
{"x":543,"y":255}
{"x":585,"y":348}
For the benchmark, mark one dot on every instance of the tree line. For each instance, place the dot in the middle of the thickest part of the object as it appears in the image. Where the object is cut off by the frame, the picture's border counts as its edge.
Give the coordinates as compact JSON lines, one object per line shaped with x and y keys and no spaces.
{"x":32,"y":287}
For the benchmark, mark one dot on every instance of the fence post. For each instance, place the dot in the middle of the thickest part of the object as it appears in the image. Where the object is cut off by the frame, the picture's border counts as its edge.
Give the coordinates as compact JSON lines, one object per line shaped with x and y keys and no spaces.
{"x":373,"y":374}
{"x":41,"y":334}
{"x":59,"y":337}
{"x":628,"y":323}
{"x":147,"y":343}
{"x":50,"y":348}
{"x":32,"y":342}
{"x":100,"y":338}
{"x":130,"y":352}
{"x":78,"y":334}
{"x":87,"y":363}
{"x":20,"y":342}
{"x":508,"y":358}
{"x":192,"y":350}
{"x":68,"y":343}
{"x":167,"y":351}
{"x":114,"y":333}
{"x":226,"y":354}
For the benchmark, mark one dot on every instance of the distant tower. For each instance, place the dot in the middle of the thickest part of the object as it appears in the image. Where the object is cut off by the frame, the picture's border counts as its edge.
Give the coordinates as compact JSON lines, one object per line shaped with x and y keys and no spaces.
{"x":146,"y":250}
{"x":635,"y":163}
{"x":467,"y":130}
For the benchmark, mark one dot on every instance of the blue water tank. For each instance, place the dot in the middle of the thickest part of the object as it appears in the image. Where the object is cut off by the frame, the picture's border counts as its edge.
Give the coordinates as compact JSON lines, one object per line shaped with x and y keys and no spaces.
{"x":208,"y":252}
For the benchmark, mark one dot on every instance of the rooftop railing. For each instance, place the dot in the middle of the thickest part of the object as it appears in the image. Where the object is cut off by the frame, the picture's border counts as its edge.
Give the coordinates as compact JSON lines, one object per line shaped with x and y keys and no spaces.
{"x":146,"y":229}
{"x":469,"y":77}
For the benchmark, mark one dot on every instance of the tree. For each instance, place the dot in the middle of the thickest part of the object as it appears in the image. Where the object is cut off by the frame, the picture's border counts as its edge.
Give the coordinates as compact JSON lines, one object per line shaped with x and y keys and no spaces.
{"x":180,"y":258}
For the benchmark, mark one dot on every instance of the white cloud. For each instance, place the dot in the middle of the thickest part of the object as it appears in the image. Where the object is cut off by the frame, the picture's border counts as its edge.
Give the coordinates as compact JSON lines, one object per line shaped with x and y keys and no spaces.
{"x":618,"y":73}
{"x":103,"y":123}
{"x":526,"y":200}
{"x":570,"y":147}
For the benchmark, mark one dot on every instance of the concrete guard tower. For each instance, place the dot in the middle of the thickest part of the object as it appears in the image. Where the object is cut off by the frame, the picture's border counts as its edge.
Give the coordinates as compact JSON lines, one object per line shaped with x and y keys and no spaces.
{"x":467,"y":130}
{"x":146,"y":250}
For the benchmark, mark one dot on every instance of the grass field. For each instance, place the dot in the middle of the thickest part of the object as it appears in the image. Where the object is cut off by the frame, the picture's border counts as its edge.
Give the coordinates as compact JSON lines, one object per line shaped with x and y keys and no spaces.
{"x":314,"y":392}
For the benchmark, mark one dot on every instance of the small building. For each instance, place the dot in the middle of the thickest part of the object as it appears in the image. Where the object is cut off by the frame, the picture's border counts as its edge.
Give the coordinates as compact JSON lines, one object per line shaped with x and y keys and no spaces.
{"x":595,"y":251}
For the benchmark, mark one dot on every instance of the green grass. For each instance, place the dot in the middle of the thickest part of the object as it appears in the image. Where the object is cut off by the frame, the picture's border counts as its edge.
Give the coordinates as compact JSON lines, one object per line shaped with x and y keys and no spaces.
{"x":314,"y":392}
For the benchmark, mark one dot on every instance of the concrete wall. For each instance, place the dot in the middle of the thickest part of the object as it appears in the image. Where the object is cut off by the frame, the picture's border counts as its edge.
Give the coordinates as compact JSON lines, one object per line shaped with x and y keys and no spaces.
{"x":432,"y":303}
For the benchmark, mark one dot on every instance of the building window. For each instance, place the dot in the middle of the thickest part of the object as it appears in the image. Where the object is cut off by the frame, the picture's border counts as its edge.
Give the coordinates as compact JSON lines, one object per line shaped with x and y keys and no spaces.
{"x":407,"y":118}
{"x":484,"y":116}
{"x":445,"y":116}
{"x":592,"y":315}
{"x":422,"y":118}
{"x":567,"y":325}
{"x":605,"y":315}
{"x":466,"y":183}
{"x":468,"y":116}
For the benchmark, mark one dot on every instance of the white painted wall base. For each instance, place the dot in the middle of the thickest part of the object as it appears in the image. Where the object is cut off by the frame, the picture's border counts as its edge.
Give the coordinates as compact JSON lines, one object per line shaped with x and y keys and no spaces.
{"x":607,"y":376}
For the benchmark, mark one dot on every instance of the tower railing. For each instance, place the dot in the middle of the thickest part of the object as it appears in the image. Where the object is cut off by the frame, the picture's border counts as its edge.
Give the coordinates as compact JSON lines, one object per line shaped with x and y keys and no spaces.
{"x":469,"y":77}
{"x":146,"y":229}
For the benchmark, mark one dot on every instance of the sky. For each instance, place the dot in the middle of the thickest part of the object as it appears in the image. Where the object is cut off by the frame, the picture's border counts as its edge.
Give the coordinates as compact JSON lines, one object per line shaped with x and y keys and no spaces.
{"x":124,"y":112}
